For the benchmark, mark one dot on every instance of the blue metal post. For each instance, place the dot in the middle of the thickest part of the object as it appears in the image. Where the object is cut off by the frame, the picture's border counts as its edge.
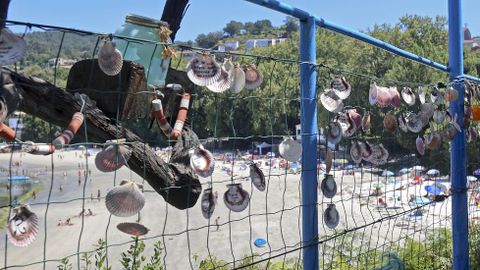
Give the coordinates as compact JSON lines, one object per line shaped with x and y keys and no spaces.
{"x":457,"y":153}
{"x":308,"y":119}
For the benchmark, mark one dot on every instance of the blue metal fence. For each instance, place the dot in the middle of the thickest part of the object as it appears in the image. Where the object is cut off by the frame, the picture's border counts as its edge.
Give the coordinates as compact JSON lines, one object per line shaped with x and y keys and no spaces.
{"x":309,"y":112}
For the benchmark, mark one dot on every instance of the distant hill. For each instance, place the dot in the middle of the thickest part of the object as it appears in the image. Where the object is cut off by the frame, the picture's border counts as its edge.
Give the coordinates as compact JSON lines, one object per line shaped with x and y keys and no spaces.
{"x":42,"y":46}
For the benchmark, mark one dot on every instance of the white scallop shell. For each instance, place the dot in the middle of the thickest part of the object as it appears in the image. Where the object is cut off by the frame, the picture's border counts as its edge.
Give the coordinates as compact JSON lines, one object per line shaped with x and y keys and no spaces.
{"x":238,"y":79}
{"x":110,"y":59}
{"x":421,"y":95}
{"x":23,"y":227}
{"x":334,"y":135}
{"x":12,"y":47}
{"x":253,"y":77}
{"x":290,"y":149}
{"x":125,"y":200}
{"x":355,"y":152}
{"x":203,"y":70}
{"x":372,"y":94}
{"x":408,"y":96}
{"x":236,"y":198}
{"x":201,"y":161}
{"x":341,"y":87}
{"x":331,"y":101}
{"x":225,"y":80}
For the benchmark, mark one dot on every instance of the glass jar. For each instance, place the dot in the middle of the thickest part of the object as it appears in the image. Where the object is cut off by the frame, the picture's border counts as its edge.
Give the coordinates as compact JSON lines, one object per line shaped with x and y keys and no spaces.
{"x":145,"y":53}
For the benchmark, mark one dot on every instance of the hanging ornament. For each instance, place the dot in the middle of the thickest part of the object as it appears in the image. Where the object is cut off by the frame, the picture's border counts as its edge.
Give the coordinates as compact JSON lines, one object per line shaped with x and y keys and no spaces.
{"x":201,"y":161}
{"x":12,"y":47}
{"x":22,"y":227}
{"x":182,"y":116}
{"x":203,"y":70}
{"x":125,"y":200}
{"x":236,"y":198}
{"x":290,"y":149}
{"x":134,"y":229}
{"x":7,"y":133}
{"x":38,"y":148}
{"x":113,"y":156}
{"x":253,"y":77}
{"x":110,"y":59}
{"x":160,"y":117}
{"x":208,"y":203}
{"x":257,"y":177}
{"x":72,"y":129}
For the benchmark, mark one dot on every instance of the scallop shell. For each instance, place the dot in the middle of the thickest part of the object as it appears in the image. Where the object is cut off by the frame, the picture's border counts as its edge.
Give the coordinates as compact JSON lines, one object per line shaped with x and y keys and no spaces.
{"x":408,"y":96}
{"x":365,"y":150}
{"x":236,"y":198}
{"x":238,"y":79}
{"x":110,"y":59}
{"x":223,"y":83}
{"x":208,"y":203}
{"x":421,"y":95}
{"x":383,"y":97}
{"x":12,"y":47}
{"x":201,"y":161}
{"x":449,"y":133}
{"x":329,"y":161}
{"x":372,"y":94}
{"x":113,"y":157}
{"x":439,"y":116}
{"x":366,"y":122}
{"x":436,"y":96}
{"x":334,"y":133}
{"x":395,"y":100}
{"x":328,"y":186}
{"x":203,"y":70}
{"x":420,"y":145}
{"x":402,"y":124}
{"x":23,"y":227}
{"x":290,"y":149}
{"x":414,"y":122}
{"x":355,"y":152}
{"x":379,"y":154}
{"x":125,"y":200}
{"x":348,"y":129}
{"x":331,"y":217}
{"x":341,"y":87}
{"x":131,"y":228}
{"x":355,"y":118}
{"x":257,"y":177}
{"x":390,"y":122}
{"x":331,"y":101}
{"x":433,"y":140}
{"x":253,"y":77}
{"x":450,"y":95}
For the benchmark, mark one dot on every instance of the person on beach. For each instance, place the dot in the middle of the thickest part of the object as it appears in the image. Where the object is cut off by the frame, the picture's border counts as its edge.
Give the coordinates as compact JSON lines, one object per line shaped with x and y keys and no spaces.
{"x":98,"y":195}
{"x":61,"y":188}
{"x":81,"y":213}
{"x":217,"y":222}
{"x":90,"y":213}
{"x":34,"y":194}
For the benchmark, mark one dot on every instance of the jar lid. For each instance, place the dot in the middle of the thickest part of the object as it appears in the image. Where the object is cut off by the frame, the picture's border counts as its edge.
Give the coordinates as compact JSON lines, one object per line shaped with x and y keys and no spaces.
{"x":144,"y":21}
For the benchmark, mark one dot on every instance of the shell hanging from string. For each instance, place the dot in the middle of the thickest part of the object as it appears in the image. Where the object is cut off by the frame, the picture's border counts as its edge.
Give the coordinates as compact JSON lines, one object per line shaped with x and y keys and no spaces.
{"x":236,"y":198}
{"x":420,"y":145}
{"x":38,"y":148}
{"x":113,"y":156}
{"x":201,"y":161}
{"x":72,"y":129}
{"x":253,"y":77}
{"x":203,"y":70}
{"x":390,"y":122}
{"x":341,"y":87}
{"x":328,"y":186}
{"x":290,"y":149}
{"x":331,"y":101}
{"x":225,"y":80}
{"x":110,"y":59}
{"x":257,"y":177}
{"x":331,"y":217}
{"x":125,"y":200}
{"x":208,"y":203}
{"x":23,"y":226}
{"x":238,"y":79}
{"x":408,"y":96}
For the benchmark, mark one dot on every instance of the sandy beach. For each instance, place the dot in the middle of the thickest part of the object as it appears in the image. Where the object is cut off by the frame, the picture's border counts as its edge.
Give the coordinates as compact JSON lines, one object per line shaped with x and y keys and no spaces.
{"x":186,"y":235}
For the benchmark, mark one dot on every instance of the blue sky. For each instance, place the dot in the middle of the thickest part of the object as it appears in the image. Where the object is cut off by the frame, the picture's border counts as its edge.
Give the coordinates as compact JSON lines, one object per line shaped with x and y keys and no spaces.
{"x":211,"y":15}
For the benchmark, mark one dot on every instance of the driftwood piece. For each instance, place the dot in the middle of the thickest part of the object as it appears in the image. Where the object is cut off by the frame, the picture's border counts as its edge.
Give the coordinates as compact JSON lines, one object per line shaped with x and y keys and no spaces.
{"x":175,"y":181}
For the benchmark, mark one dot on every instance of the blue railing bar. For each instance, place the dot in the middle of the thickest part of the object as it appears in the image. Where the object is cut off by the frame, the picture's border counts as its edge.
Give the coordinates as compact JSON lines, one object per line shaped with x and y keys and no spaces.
{"x":283,"y":8}
{"x":458,"y":145}
{"x":309,"y":126}
{"x":475,"y":79}
{"x":303,"y":15}
{"x":378,"y":43}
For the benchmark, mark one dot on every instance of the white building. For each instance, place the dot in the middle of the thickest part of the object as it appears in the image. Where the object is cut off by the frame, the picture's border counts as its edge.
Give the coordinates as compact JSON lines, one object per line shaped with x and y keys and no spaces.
{"x":266,"y":42}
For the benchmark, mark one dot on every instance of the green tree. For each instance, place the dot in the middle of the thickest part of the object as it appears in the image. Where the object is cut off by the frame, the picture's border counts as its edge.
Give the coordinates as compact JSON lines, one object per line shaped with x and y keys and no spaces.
{"x":233,"y":28}
{"x":209,"y":40}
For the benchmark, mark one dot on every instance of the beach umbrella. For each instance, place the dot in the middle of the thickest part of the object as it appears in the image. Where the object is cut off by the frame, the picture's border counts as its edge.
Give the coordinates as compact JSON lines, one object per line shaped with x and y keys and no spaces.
{"x":418,"y":168}
{"x":387,"y":173}
{"x":433,"y":172}
{"x":403,"y":171}
{"x":476,"y":172}
{"x":435,"y":190}
{"x":471,"y":178}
